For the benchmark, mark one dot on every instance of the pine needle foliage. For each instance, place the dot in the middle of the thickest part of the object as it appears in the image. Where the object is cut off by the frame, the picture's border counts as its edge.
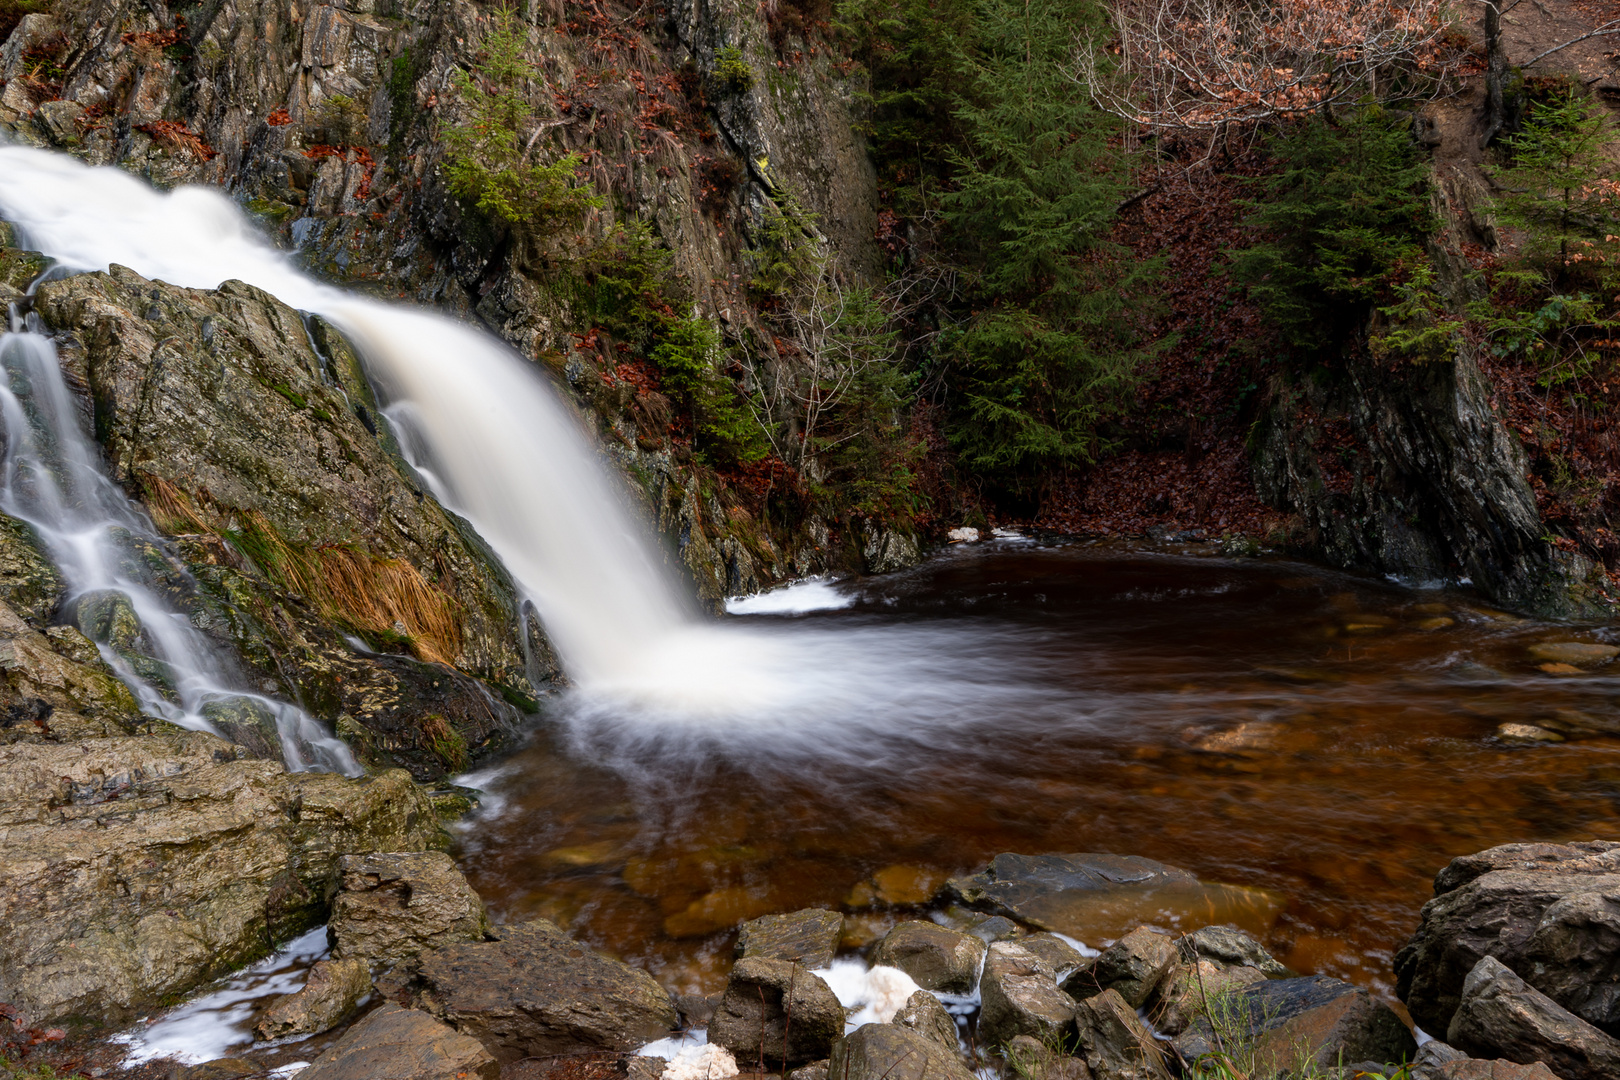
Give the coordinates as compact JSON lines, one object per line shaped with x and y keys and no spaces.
{"x":1050,"y":347}
{"x":1345,"y":211}
{"x":490,"y":159}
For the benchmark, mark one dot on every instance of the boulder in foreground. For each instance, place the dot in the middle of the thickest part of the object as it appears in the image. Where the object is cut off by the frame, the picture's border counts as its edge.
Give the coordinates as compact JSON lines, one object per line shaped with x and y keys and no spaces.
{"x":402,"y":1044}
{"x":887,"y":1052}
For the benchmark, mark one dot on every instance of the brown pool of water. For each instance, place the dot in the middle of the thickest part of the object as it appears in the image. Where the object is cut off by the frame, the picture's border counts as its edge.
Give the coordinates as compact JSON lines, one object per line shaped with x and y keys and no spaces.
{"x":1259,"y":722}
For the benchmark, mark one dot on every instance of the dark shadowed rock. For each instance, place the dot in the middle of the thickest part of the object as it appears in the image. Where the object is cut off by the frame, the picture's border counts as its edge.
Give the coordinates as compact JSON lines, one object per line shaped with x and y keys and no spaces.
{"x":402,"y":1044}
{"x":887,"y":1052}
{"x":1550,"y":912}
{"x":808,"y":938}
{"x":1032,"y":1059}
{"x":398,"y":905}
{"x":1283,"y":1021}
{"x":536,"y":992}
{"x":1115,"y":1042}
{"x":936,"y":957}
{"x":331,"y":992}
{"x":816,"y":1070}
{"x":923,"y":1014}
{"x":1020,"y":997}
{"x":1103,"y":896}
{"x":753,"y":1016}
{"x":1502,"y":1016}
{"x":1133,"y":966}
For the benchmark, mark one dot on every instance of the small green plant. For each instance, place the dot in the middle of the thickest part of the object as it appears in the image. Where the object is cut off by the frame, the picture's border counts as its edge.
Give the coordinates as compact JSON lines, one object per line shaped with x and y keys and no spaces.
{"x":731,"y":70}
{"x":1419,"y":329}
{"x":340,"y":121}
{"x":687,"y":357}
{"x":626,"y":283}
{"x":488,"y":157}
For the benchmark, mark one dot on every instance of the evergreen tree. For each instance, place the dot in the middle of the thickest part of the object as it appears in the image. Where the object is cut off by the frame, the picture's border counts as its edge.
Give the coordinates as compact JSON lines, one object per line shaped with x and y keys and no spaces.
{"x":1051,"y":344}
{"x":1347,"y":208}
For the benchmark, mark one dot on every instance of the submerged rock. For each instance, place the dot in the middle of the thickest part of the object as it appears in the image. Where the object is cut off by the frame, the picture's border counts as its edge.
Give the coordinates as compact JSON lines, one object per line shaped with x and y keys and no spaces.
{"x":778,"y":1009}
{"x":1546,"y":911}
{"x":395,"y":905}
{"x":402,"y":1044}
{"x":887,"y":1052}
{"x":809,"y":937}
{"x":137,"y":869}
{"x":936,"y":957}
{"x":536,"y":992}
{"x":1090,"y":896}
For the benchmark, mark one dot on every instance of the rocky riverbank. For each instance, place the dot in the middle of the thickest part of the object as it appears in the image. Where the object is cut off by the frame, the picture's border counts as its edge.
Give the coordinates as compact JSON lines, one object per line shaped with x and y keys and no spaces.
{"x":1511,"y":975}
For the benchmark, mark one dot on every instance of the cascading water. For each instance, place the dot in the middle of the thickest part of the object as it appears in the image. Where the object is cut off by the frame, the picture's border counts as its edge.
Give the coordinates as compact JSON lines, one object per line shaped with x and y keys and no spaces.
{"x":53,"y":480}
{"x":495,"y":444}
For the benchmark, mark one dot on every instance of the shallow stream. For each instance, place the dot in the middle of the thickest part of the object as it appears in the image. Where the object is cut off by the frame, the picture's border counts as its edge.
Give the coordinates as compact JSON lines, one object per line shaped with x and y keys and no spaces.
{"x":1257,"y":721}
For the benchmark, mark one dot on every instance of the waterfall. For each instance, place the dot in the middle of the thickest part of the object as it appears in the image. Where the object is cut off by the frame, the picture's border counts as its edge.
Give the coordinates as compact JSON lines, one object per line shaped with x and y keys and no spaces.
{"x":487,"y":434}
{"x":53,"y":479}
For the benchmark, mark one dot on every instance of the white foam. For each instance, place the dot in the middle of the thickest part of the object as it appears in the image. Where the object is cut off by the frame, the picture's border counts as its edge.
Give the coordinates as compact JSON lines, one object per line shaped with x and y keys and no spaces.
{"x":1077,"y":945}
{"x":701,"y":1063}
{"x":668,"y":1047}
{"x":811,"y":594}
{"x":875,"y":993}
{"x":216,"y":1023}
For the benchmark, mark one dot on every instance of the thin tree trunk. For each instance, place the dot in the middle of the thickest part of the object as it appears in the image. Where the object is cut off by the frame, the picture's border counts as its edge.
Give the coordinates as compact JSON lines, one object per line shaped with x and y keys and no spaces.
{"x":1496,"y":73}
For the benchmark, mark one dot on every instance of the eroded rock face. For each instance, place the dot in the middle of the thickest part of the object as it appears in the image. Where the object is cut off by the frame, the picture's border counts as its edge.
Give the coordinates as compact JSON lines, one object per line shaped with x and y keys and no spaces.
{"x":938,"y":958}
{"x":395,"y":905}
{"x":808,"y":938}
{"x":887,"y":1052}
{"x":135,"y":869}
{"x":536,"y":992}
{"x":1549,"y":912}
{"x":923,"y":1014}
{"x":268,"y":461}
{"x":1500,"y":1015}
{"x":392,"y":1043}
{"x":753,"y":1015}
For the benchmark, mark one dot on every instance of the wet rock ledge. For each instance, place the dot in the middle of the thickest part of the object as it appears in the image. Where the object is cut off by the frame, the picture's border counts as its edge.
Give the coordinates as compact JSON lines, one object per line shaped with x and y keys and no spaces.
{"x":1514,"y":965}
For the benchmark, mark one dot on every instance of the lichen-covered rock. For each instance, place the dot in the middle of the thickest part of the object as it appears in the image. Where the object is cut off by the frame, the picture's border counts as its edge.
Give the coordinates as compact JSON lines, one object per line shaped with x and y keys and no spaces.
{"x":536,"y":992}
{"x":57,"y":683}
{"x":395,"y":905}
{"x":330,"y":993}
{"x":937,"y":957}
{"x":753,"y":1015}
{"x":1021,"y":997}
{"x":402,"y":1044}
{"x":1180,"y":998}
{"x":133,"y":870}
{"x":29,"y":582}
{"x":303,"y":528}
{"x":1232,"y":947}
{"x":1550,"y":912}
{"x":1032,"y":1058}
{"x":808,"y":938}
{"x":1500,"y":1015}
{"x":888,"y":1052}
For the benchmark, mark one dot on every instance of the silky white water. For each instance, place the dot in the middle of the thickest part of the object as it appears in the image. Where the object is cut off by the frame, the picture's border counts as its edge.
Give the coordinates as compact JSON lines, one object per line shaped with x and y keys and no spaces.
{"x":495,"y":444}
{"x":52,"y":479}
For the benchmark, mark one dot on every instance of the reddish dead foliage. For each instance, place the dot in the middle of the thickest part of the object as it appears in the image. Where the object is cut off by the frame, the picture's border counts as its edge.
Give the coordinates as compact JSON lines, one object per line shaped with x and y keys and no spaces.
{"x":278,"y":117}
{"x":173,"y":135}
{"x":1183,"y":465}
